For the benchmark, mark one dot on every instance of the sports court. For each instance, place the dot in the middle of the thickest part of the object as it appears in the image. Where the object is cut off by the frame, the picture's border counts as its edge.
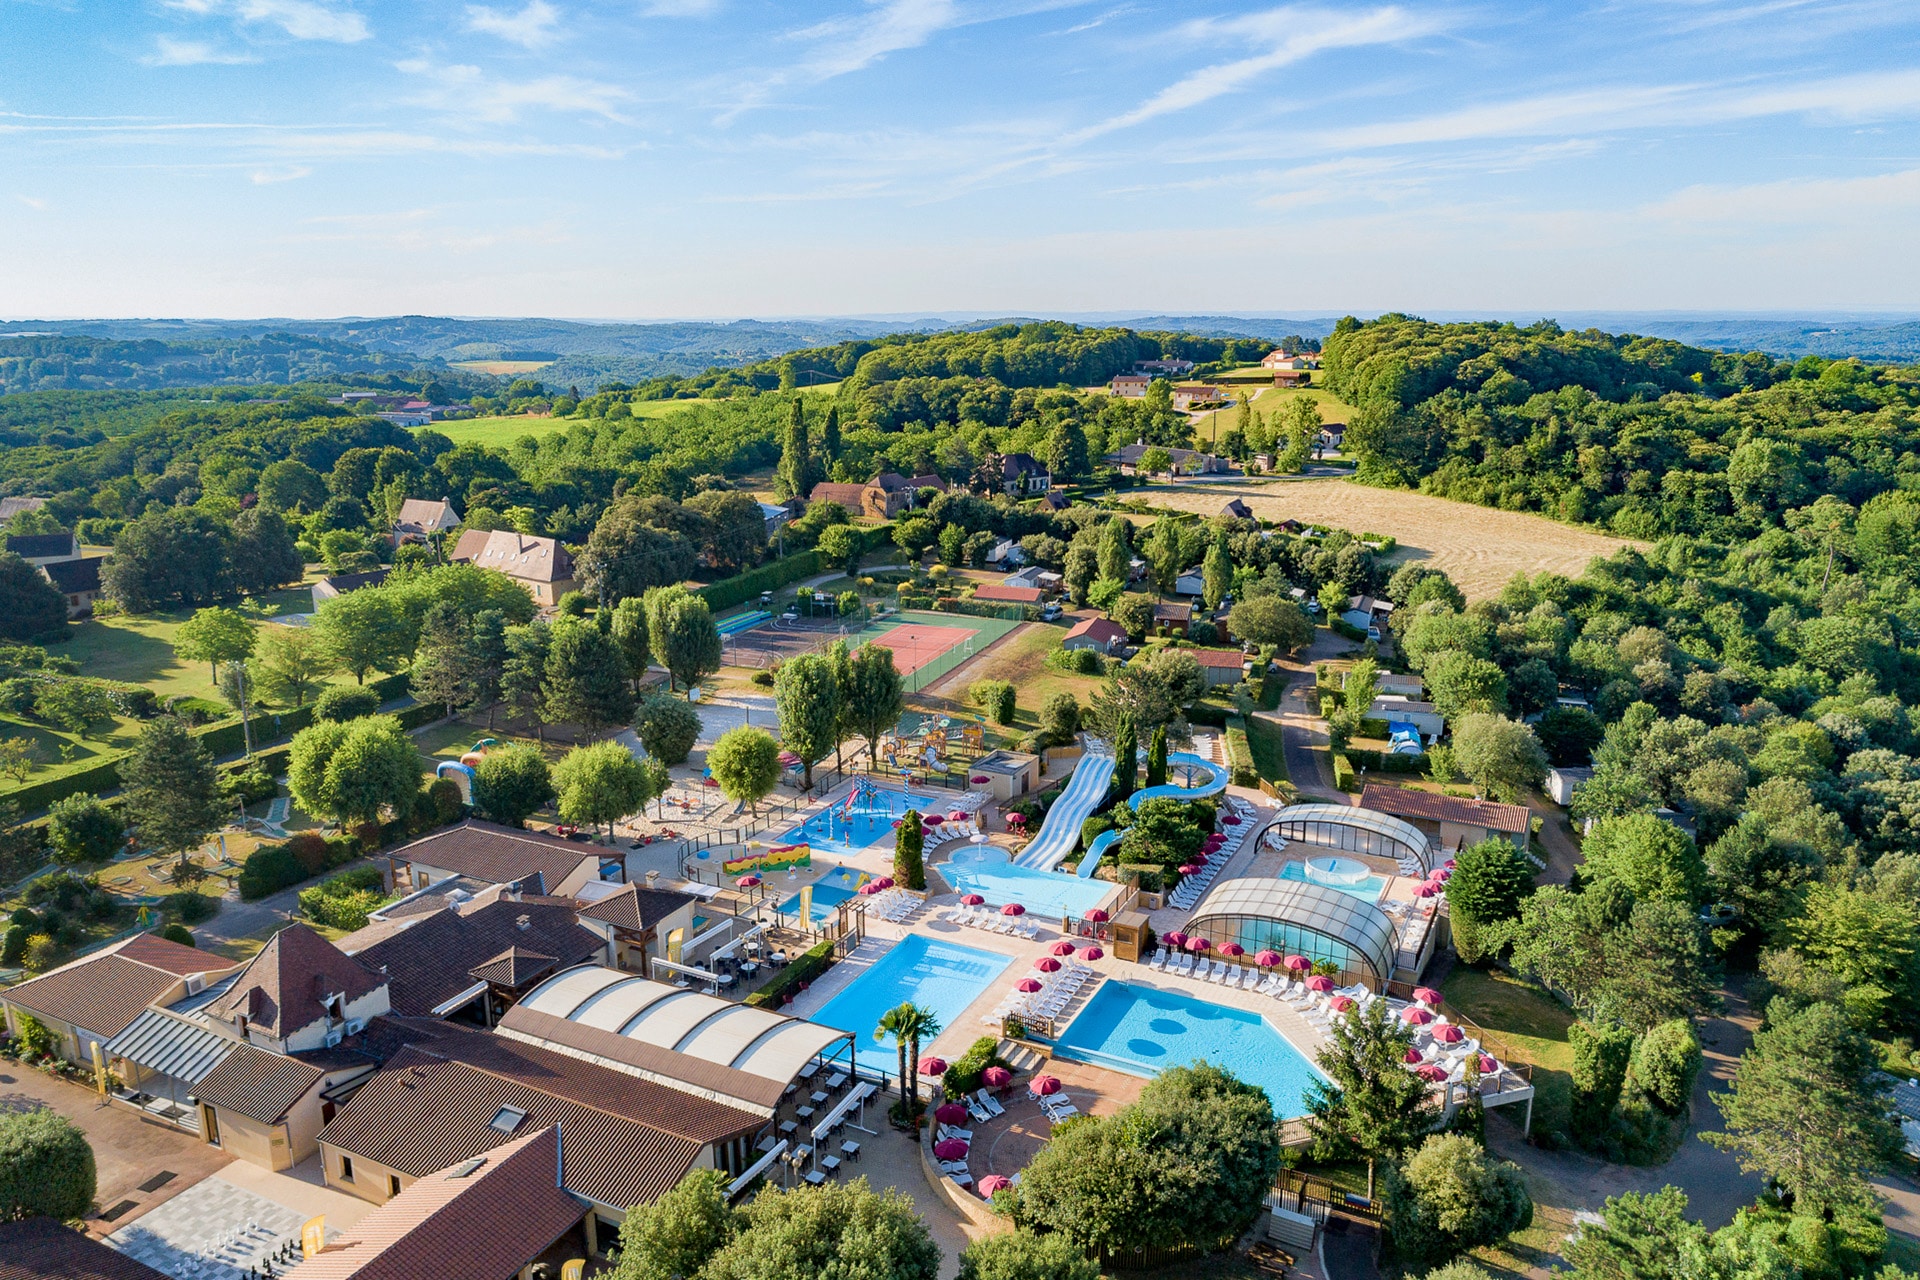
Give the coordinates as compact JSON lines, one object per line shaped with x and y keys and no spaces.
{"x":926,"y":646}
{"x":916,"y":644}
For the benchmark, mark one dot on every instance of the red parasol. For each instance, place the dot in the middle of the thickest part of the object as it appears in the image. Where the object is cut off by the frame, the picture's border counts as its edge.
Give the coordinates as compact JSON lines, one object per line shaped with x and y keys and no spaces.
{"x":1231,"y":820}
{"x":951,"y":1149}
{"x":1266,"y":959}
{"x":885,"y":882}
{"x":980,"y":779}
{"x":1188,"y":869}
{"x":1028,"y":985}
{"x":1432,"y":1072}
{"x":747,"y":882}
{"x":1426,"y":995}
{"x":933,"y":820}
{"x":1044,"y":1085}
{"x":1095,"y":916}
{"x":1319,"y":982}
{"x":1232,"y":949}
{"x":1197,"y":945}
{"x":1340,"y":1004}
{"x":996,"y":1077}
{"x":1174,"y":939}
{"x":1414,"y":1015}
{"x":933,"y":1066}
{"x":1487,"y":1065}
{"x":1449,"y":1034}
{"x":1064,"y":947}
{"x":1299,"y":964}
{"x":1016,"y":819}
{"x":991,"y":1184}
{"x":1411,"y":1057}
{"x":1092,"y":953}
{"x":868,"y":889}
{"x":949,"y":1113}
{"x":1427,"y":890}
{"x":971,"y":900}
{"x":956,"y":815}
{"x":1047,"y":964}
{"x":1013,"y":909}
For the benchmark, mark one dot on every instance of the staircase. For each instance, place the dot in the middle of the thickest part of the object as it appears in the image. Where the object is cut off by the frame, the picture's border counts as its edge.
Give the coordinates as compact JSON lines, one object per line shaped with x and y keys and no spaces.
{"x":1020,"y":1057}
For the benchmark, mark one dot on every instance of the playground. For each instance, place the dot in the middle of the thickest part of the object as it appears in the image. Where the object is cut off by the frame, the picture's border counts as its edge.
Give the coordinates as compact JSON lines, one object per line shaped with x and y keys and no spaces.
{"x":926,"y":646}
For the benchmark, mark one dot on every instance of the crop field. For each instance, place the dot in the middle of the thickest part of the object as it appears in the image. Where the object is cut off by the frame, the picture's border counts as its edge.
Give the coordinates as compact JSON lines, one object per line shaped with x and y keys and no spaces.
{"x":501,"y":432}
{"x":502,"y":368}
{"x":1478,"y":547}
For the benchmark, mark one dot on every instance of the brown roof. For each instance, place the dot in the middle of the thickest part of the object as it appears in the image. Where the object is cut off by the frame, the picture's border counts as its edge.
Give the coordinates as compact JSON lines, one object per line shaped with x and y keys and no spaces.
{"x":1227,"y":658}
{"x":636,"y":909}
{"x":517,"y":555}
{"x":850,"y":496}
{"x":498,"y":855}
{"x":281,"y":988}
{"x":1013,"y":595}
{"x":104,"y":993}
{"x":482,"y":1219}
{"x":259,"y":1085}
{"x":174,"y":957}
{"x":11,"y":507}
{"x":1173,"y":610}
{"x":42,"y":1249}
{"x":665,"y":1064}
{"x":1402,"y":802}
{"x":513,"y":967}
{"x":428,"y":515}
{"x":30,"y":545}
{"x":627,"y":1139}
{"x":1102,"y":629}
{"x":436,"y":959}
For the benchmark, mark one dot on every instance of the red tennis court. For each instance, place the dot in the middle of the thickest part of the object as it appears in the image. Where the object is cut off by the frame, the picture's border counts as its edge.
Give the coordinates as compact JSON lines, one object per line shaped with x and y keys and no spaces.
{"x":915,"y":644}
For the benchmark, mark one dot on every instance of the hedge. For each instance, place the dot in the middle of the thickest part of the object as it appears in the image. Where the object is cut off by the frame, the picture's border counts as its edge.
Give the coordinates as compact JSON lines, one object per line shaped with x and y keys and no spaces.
{"x":964,"y":1076}
{"x":1240,"y":755}
{"x":1211,"y":714}
{"x":1387,"y":761}
{"x":804,"y":967}
{"x":1343,"y":776}
{"x":747,"y":586}
{"x":1351,"y":632}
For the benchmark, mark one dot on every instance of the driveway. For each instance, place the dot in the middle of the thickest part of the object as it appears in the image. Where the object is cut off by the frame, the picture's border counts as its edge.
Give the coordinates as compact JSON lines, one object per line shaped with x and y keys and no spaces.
{"x":1303,"y":735}
{"x":129,"y":1151}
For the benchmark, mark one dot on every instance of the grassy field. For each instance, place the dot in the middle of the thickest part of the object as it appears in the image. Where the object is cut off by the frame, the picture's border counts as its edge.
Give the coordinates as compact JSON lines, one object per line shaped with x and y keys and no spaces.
{"x":1210,"y":426}
{"x":1534,"y":1027}
{"x":501,"y":432}
{"x":502,"y":368}
{"x":1269,"y":756}
{"x":1478,"y":547}
{"x":1021,"y":660}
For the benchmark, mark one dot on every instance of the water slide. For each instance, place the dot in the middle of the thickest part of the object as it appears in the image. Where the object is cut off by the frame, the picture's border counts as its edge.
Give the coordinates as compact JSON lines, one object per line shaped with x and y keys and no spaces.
{"x":1216,"y":783}
{"x":1060,"y":832}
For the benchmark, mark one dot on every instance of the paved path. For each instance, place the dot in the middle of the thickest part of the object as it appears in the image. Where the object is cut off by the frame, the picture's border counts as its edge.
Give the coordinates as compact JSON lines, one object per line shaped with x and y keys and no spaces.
{"x":1303,"y":735}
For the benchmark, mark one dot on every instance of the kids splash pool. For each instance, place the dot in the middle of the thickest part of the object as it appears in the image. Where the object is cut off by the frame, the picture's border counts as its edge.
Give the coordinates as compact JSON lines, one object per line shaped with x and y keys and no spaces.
{"x":1347,"y":875}
{"x":941,"y":976}
{"x":988,"y":871}
{"x":1142,"y":1031}
{"x":829,"y":891}
{"x":862,"y":818}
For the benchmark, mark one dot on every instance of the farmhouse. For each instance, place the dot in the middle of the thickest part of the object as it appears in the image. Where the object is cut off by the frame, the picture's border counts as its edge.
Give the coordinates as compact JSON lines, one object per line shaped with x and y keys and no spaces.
{"x":1284,"y":360}
{"x":1237,"y":510}
{"x":41,"y":549}
{"x":78,"y":581}
{"x":882,"y":498}
{"x":421,"y":519}
{"x":541,"y":565}
{"x":337,"y":585}
{"x":1096,"y":633}
{"x":1170,"y":368}
{"x":1022,"y":473}
{"x":1221,"y":666}
{"x":1188,"y":395}
{"x":1131,"y":386}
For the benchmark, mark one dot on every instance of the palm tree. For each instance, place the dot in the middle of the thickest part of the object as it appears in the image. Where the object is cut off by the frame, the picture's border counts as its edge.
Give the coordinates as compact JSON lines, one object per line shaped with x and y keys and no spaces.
{"x":893,"y":1023}
{"x":909,"y":1024}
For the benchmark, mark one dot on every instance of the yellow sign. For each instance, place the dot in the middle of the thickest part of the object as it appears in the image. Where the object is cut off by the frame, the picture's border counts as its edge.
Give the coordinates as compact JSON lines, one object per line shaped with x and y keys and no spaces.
{"x":99,"y":1069}
{"x":574,"y":1269}
{"x":806,"y":904}
{"x":674,"y":938}
{"x":313,"y":1236}
{"x":781,"y":857}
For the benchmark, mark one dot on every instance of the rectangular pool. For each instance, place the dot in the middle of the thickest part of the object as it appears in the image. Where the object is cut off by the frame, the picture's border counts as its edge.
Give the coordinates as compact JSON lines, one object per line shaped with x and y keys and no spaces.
{"x":988,"y":871}
{"x":832,"y":829}
{"x":1141,"y":1030}
{"x":941,"y":976}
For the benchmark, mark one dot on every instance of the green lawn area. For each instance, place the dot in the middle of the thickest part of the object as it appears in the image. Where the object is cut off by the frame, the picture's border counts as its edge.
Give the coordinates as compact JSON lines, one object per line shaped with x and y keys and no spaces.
{"x":501,"y":432}
{"x":1269,"y":755}
{"x":1208,"y":427}
{"x":1533,"y":1026}
{"x":1021,"y":659}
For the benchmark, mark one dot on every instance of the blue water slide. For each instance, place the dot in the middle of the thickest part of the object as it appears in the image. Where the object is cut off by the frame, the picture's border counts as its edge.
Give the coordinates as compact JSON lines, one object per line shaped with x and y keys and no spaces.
{"x":1060,"y":832}
{"x":1216,"y":781}
{"x":1101,"y":843}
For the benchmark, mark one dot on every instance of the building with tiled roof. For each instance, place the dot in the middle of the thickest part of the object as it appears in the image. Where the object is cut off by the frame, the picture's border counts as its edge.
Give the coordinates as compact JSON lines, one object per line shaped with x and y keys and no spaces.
{"x":1221,"y":666}
{"x":78,"y":581}
{"x":528,"y":860}
{"x":1096,"y":633}
{"x":11,"y":507}
{"x":541,"y":565}
{"x":299,"y":993}
{"x":1452,"y":822}
{"x":42,"y":1249}
{"x":336,"y":585}
{"x":487,"y":1218}
{"x":999,"y":594}
{"x":43,"y":548}
{"x":434,"y":963}
{"x":423,"y":518}
{"x":95,"y":998}
{"x":1022,"y":473}
{"x":635,"y":920}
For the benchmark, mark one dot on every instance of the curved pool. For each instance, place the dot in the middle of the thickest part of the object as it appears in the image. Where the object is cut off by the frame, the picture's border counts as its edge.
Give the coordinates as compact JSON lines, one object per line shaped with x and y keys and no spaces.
{"x":1346,"y":875}
{"x":988,"y":871}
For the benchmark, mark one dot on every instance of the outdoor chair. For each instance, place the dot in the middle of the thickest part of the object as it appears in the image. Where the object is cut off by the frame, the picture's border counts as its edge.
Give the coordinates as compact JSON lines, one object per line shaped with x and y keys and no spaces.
{"x":986,"y":1100}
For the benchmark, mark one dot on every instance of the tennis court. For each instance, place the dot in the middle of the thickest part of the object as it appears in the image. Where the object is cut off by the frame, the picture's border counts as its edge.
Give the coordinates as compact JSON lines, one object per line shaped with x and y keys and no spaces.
{"x":915,"y":645}
{"x":926,"y":646}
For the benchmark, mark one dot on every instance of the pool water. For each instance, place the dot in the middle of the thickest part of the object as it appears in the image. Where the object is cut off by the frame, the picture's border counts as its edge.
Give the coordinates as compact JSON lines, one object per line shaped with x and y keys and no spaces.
{"x":941,"y":976}
{"x":1367,"y":890}
{"x":988,"y":871}
{"x":829,"y":891}
{"x":1142,"y":1031}
{"x":831,"y":829}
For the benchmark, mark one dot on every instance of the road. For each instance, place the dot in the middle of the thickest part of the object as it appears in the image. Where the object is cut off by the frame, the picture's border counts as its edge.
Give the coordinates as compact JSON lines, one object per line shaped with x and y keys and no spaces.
{"x":1303,"y":739}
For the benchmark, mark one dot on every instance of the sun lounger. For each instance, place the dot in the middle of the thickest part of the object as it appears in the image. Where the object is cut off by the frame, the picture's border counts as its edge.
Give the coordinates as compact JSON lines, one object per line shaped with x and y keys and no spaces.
{"x":1057,"y":1114}
{"x":989,"y":1103}
{"x":961,"y":1179}
{"x":952,"y":1131}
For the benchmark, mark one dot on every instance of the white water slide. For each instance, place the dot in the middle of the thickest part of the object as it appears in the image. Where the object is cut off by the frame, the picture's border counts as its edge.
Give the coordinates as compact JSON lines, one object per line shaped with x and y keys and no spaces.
{"x":1060,"y":832}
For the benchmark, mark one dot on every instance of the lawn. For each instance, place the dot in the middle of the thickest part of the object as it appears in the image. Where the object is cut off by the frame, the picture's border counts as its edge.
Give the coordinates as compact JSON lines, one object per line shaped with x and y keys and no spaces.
{"x":501,"y":432}
{"x":1021,"y":660}
{"x":1533,"y":1026}
{"x":1208,"y":427}
{"x":1265,"y":741}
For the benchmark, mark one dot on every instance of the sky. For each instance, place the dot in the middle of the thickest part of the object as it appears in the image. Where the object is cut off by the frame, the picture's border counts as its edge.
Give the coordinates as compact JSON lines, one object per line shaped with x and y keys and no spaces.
{"x":640,"y":159}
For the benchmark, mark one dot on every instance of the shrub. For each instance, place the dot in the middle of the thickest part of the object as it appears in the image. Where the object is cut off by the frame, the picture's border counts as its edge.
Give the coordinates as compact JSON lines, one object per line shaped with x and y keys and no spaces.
{"x":963,"y":1076}
{"x":82,"y":829}
{"x":668,"y":727}
{"x":344,"y":901}
{"x":343,"y":702}
{"x":252,"y":785}
{"x":36,"y":1038}
{"x":805,"y":967}
{"x":13,"y":949}
{"x":1666,"y":1061}
{"x":310,"y":850}
{"x":447,"y":804}
{"x":998,"y":698}
{"x":270,"y":869}
{"x":179,"y":933}
{"x":1601,"y":1056}
{"x":46,"y":1167}
{"x":42,"y":951}
{"x":1343,"y":776}
{"x":512,"y":783}
{"x":1450,"y":1196}
{"x":194,"y":906}
{"x":1024,"y":1255}
{"x":1060,"y":717}
{"x":1092,"y":828}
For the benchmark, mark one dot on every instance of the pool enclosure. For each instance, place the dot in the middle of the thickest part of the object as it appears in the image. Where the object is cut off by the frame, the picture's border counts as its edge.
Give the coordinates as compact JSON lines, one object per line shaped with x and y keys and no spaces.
{"x":1298,"y":917}
{"x":1368,"y":831}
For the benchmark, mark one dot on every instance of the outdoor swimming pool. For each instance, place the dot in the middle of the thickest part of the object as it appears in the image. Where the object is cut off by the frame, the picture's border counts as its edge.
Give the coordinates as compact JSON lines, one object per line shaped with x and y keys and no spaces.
{"x":941,"y":976}
{"x":986,"y":870}
{"x":831,"y":829}
{"x":1344,"y":875}
{"x":1141,"y":1031}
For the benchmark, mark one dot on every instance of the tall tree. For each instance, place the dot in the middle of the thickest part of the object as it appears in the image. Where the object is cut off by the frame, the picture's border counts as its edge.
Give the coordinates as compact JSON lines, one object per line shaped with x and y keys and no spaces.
{"x":1126,"y":760}
{"x":807,"y":696}
{"x":1500,"y":756}
{"x":796,"y":457}
{"x":264,"y":555}
{"x":1066,"y":455}
{"x":640,"y":542}
{"x":1369,"y":1105}
{"x":1157,"y":757}
{"x":874,"y":699}
{"x":291,"y":664}
{"x":630,"y":633}
{"x":82,"y":830}
{"x":1115,"y":552}
{"x":171,"y":557}
{"x":1489,"y":880}
{"x":353,"y":772}
{"x":600,"y":784}
{"x":30,"y":606}
{"x":909,"y":858}
{"x":1216,"y":574}
{"x":586,"y":680}
{"x":746,"y":763}
{"x":523,"y":678}
{"x":672,"y":1238}
{"x":690,"y":648}
{"x":487,"y":659}
{"x":830,"y":438}
{"x":365,"y":630}
{"x":214,"y":636}
{"x":441,"y":666}
{"x":511,"y":783}
{"x":170,"y":792}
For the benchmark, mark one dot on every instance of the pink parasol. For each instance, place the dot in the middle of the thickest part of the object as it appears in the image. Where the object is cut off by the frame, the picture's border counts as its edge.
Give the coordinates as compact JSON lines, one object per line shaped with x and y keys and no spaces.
{"x":1013,"y":909}
{"x":980,"y":779}
{"x":933,"y":1066}
{"x":1427,"y":890}
{"x":1197,"y":945}
{"x":1188,"y":869}
{"x":1449,"y":863}
{"x":1299,"y":964}
{"x":951,"y":1149}
{"x":1096,"y":916}
{"x":949,"y":1113}
{"x":1266,"y":959}
{"x":1231,"y":821}
{"x":885,"y":882}
{"x":1047,"y":964}
{"x":897,"y":822}
{"x":1432,"y":1072}
{"x":1028,"y":985}
{"x":971,"y":900}
{"x":1092,"y":953}
{"x":1487,"y":1065}
{"x":1340,"y":1004}
{"x":1414,"y":1015}
{"x":1016,"y":819}
{"x":1426,"y":995}
{"x":1319,"y":982}
{"x":1232,"y":949}
{"x":747,"y":882}
{"x":992,"y":1183}
{"x":996,"y":1077}
{"x":1449,"y":1034}
{"x":787,"y":757}
{"x":956,"y":815}
{"x":868,"y":889}
{"x":1044,"y":1085}
{"x":1174,"y":939}
{"x":1064,"y":947}
{"x":1411,"y":1056}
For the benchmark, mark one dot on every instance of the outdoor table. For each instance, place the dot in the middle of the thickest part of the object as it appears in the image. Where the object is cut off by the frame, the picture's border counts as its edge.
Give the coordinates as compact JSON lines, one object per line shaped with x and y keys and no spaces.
{"x":805,"y":1113}
{"x":787,"y":1128}
{"x":725,"y":979}
{"x":748,"y":968}
{"x":851,"y":1150}
{"x":802,"y":1153}
{"x":831,"y":1164}
{"x":837,"y":1079}
{"x":767,"y":1143}
{"x":817,"y":1099}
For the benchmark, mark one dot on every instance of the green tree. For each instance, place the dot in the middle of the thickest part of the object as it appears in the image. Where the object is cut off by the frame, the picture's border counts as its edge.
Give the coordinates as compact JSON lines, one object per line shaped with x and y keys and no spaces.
{"x":82,"y":830}
{"x":794,"y":476}
{"x":672,"y":1238}
{"x":364,"y":631}
{"x":75,"y":706}
{"x":686,"y":640}
{"x":30,"y":606}
{"x":171,"y":557}
{"x":1134,"y":612}
{"x":834,"y":1230}
{"x":523,"y":677}
{"x":1157,"y":757}
{"x":746,"y":763}
{"x":291,"y":664}
{"x":1126,"y":760}
{"x":1369,"y":1106}
{"x":170,"y":792}
{"x":600,"y":784}
{"x":289,"y":485}
{"x":1500,"y":756}
{"x":1489,"y":881}
{"x":1156,"y":461}
{"x":1270,"y":620}
{"x":1459,"y":684}
{"x":1649,"y":857}
{"x":511,"y":783}
{"x":840,"y":546}
{"x":667,"y":728}
{"x":1022,"y":1255}
{"x":1601,"y":1056}
{"x":264,"y":555}
{"x":1666,"y":1062}
{"x":1216,"y":574}
{"x":642,"y":542}
{"x":909,"y":866}
{"x":442,"y":665}
{"x":353,"y":772}
{"x":630,"y":632}
{"x":910,"y":1025}
{"x":873,"y":697}
{"x":1060,"y":718}
{"x":1866,"y":941}
{"x":1067,"y":457}
{"x":1115,"y":552}
{"x":1808,"y":1108}
{"x":1639,"y":964}
{"x":341,"y":702}
{"x":586,"y":679}
{"x":953,"y":543}
{"x":807,"y":697}
{"x":1450,"y":1196}
{"x":214,"y":636}
{"x":46,"y":1167}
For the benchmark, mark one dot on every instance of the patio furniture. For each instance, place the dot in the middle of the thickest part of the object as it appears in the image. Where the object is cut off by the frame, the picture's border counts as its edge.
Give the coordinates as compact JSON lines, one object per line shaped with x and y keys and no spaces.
{"x":835,"y":1080}
{"x":831,"y":1164}
{"x":851,"y":1150}
{"x":788,"y":1127}
{"x":811,"y":1070}
{"x":815,"y":1178}
{"x":767,"y":1143}
{"x":803,"y":1153}
{"x":817,"y":1098}
{"x":748,"y":968}
{"x":805,"y":1113}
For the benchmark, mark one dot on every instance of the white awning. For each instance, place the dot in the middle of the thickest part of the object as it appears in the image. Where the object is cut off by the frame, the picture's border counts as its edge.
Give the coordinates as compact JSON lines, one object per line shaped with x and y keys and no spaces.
{"x":754,"y":1170}
{"x":857,"y":1098}
{"x":174,"y":1047}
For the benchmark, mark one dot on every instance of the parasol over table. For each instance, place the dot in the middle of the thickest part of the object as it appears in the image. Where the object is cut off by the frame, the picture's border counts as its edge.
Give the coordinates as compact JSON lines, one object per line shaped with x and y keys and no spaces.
{"x":1029,"y":985}
{"x":996,"y":1077}
{"x":1266,"y":959}
{"x":1232,"y":949}
{"x":1197,"y":945}
{"x":1064,"y":947}
{"x":1092,"y":953}
{"x":1095,"y":916}
{"x":992,"y":1183}
{"x":1414,"y":1015}
{"x":950,"y":1149}
{"x":1449,"y":1034}
{"x":1427,"y":996}
{"x":933,"y":1066}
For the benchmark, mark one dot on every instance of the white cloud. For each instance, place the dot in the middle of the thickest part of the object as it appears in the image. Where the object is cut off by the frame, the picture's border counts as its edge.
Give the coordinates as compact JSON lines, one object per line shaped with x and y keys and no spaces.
{"x":532,"y":27}
{"x":681,"y":8}
{"x":34,"y":203}
{"x":1792,"y":202}
{"x":468,"y":93}
{"x":168,"y":52}
{"x":301,"y":19}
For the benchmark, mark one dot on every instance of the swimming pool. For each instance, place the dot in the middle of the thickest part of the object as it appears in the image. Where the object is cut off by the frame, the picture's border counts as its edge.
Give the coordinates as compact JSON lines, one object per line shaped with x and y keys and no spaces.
{"x":1344,"y":875}
{"x":826,"y":900}
{"x":1141,"y":1031}
{"x":832,"y":829}
{"x":986,"y":870}
{"x":941,"y":976}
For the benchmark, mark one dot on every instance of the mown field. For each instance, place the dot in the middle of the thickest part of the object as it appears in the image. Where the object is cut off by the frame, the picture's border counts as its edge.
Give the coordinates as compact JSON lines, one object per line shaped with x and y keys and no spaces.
{"x":1478,"y":547}
{"x":501,"y":432}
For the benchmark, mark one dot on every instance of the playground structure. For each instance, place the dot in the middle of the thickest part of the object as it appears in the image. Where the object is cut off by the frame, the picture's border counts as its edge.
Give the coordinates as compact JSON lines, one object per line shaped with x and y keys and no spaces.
{"x":933,"y":746}
{"x":461,"y":770}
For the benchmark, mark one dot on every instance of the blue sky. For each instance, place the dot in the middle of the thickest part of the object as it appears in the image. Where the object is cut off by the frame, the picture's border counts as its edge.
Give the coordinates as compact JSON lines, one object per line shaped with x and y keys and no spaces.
{"x":653,"y":158}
